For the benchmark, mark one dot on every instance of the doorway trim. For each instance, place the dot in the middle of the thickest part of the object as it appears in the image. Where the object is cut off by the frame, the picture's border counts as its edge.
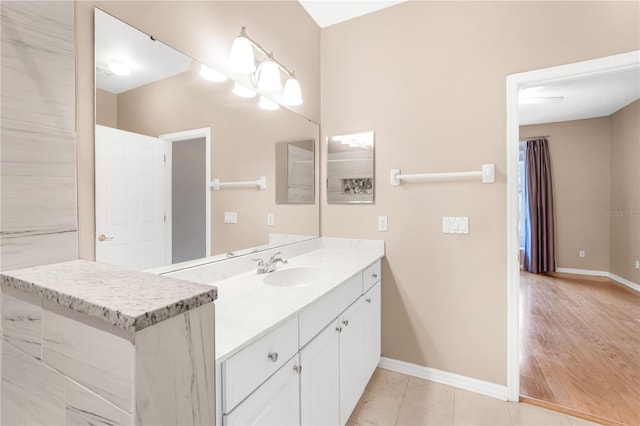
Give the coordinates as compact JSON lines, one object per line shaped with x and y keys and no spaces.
{"x":515,"y":82}
{"x":170,"y":138}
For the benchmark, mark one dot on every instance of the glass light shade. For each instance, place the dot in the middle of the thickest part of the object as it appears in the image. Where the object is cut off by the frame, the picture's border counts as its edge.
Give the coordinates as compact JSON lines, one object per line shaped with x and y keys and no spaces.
{"x":119,"y":68}
{"x":211,"y":74}
{"x":292,"y":95}
{"x":269,"y":76}
{"x":266,"y":103}
{"x":242,"y":91}
{"x":241,"y":57}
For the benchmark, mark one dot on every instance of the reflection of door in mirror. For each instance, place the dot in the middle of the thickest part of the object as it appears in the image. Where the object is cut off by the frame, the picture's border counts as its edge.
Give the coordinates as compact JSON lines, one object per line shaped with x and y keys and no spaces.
{"x":295,"y":172}
{"x":350,"y":176}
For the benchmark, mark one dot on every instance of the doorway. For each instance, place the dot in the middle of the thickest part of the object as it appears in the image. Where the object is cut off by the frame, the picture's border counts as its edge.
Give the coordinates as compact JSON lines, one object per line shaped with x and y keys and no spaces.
{"x":187,"y":195}
{"x":516,"y":82}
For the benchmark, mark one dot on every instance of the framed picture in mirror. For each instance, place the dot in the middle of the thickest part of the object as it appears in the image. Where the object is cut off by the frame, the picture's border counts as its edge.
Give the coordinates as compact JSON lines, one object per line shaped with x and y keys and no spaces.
{"x":350,"y":168}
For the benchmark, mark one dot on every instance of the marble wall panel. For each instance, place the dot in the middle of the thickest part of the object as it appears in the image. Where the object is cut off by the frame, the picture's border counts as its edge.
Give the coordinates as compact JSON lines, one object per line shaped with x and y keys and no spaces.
{"x":96,"y":359}
{"x":32,"y":393}
{"x":22,"y":324}
{"x":85,"y":408}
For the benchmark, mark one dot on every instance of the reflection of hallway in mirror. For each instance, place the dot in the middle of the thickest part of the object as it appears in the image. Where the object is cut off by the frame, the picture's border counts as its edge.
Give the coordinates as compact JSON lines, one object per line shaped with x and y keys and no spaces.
{"x":580,"y":346}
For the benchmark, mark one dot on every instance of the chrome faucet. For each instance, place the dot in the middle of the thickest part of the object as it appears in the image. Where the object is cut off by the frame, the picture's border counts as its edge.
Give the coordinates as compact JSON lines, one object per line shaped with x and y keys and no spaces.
{"x":270,"y":265}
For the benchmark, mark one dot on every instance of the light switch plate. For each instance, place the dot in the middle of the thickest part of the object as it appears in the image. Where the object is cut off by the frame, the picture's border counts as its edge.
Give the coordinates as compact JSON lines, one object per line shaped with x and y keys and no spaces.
{"x":383,"y":224}
{"x":270,"y":219}
{"x":230,"y":217}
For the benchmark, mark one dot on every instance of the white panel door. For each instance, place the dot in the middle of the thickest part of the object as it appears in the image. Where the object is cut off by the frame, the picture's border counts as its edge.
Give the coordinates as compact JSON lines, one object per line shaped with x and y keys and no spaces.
{"x":320,"y":379}
{"x":351,"y":355}
{"x":275,"y":402}
{"x":130,"y":208}
{"x":372,"y":329}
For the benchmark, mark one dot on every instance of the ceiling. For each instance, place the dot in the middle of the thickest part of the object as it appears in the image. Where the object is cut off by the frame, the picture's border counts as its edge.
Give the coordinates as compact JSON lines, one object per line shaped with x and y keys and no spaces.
{"x":597,"y":96}
{"x":329,"y":12}
{"x":149,"y":60}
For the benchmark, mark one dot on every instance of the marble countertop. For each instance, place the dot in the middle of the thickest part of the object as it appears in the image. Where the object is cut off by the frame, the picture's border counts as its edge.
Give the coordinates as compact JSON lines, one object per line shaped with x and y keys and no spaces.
{"x":127,"y":299}
{"x":247,"y":308}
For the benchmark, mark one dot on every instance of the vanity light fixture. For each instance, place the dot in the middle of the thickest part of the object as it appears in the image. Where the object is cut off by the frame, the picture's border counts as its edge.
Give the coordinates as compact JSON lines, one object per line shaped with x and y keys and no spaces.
{"x":211,"y":74}
{"x":268,"y":104}
{"x":266,"y":75}
{"x":119,"y":68}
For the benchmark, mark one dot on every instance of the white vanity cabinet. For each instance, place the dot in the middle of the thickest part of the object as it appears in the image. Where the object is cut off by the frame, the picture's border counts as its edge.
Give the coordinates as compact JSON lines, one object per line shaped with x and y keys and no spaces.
{"x":320,"y":381}
{"x":275,"y":402}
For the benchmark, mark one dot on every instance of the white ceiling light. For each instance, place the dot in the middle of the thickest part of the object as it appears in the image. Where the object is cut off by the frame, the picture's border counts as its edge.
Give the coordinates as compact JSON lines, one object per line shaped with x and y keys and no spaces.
{"x":268,"y":104}
{"x":119,"y":68}
{"x":211,"y":74}
{"x":292,"y":95}
{"x":241,"y":58}
{"x":267,"y":76}
{"x":242,"y":91}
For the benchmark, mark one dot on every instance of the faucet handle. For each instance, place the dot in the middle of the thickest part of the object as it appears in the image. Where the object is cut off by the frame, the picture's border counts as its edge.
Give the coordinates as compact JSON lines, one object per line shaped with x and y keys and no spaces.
{"x":274,"y":256}
{"x":257,"y":259}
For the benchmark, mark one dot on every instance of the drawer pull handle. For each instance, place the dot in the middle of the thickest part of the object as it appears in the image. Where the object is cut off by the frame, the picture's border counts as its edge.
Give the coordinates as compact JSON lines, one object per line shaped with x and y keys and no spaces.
{"x":368,"y":300}
{"x":297,"y":369}
{"x":375,"y":275}
{"x":273,"y":356}
{"x":339,"y":329}
{"x":345,"y":322}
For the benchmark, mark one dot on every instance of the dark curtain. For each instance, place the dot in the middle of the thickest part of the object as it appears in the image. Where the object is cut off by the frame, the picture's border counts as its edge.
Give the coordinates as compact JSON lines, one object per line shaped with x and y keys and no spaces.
{"x":539,"y":254}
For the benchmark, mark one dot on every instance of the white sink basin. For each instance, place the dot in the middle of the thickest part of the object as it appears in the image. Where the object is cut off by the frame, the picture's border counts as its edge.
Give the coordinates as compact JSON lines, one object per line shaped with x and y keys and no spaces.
{"x":294,"y":277}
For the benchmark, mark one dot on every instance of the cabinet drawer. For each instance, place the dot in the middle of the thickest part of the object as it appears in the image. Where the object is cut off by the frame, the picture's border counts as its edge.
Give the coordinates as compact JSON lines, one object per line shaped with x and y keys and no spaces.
{"x":317,"y":316}
{"x":370,"y":276}
{"x":245,"y":371}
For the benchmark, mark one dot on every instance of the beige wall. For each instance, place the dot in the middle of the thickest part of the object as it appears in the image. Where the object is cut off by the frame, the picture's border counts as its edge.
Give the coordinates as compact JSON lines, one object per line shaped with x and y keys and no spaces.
{"x":580,"y":171}
{"x":106,"y":108}
{"x":625,"y":192}
{"x":429,"y":78}
{"x":203,"y":30}
{"x":243,"y":139}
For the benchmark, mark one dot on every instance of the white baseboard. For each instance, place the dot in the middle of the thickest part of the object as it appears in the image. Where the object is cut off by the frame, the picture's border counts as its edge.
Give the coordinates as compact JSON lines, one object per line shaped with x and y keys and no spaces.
{"x":463,"y":382}
{"x":606,"y":274}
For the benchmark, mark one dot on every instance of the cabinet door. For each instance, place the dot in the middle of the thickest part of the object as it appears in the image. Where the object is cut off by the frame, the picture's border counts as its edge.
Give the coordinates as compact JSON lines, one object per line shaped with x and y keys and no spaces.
{"x":320,"y":379}
{"x":275,"y":402}
{"x":351,"y":354}
{"x":372,"y":329}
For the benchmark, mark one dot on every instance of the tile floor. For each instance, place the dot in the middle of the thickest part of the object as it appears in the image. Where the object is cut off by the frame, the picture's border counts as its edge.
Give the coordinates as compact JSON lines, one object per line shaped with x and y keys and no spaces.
{"x":397,"y":399}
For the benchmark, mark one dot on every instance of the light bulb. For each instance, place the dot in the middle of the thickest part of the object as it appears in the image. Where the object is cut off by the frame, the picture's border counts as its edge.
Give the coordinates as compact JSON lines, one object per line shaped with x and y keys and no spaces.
{"x":292,"y":94}
{"x":119,"y":68}
{"x":269,"y":76}
{"x":243,"y":92}
{"x":211,"y":74}
{"x":266,"y":103}
{"x":241,"y":57}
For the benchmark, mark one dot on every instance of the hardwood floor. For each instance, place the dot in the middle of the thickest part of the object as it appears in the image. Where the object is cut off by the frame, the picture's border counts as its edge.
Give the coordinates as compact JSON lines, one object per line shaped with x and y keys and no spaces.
{"x":580,"y":345}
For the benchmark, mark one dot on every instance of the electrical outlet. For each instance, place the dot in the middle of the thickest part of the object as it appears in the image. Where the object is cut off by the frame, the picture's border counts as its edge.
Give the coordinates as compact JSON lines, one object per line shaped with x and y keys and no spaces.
{"x":230,"y":217}
{"x":581,"y":253}
{"x":637,"y":264}
{"x":383,"y":224}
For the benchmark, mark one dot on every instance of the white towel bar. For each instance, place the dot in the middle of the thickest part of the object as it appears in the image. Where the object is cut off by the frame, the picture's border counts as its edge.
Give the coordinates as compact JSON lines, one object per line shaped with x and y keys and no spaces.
{"x":487,"y":174}
{"x":261,"y":183}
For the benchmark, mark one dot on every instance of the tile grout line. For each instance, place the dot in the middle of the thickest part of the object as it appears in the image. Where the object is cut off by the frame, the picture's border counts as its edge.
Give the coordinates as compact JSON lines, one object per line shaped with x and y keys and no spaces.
{"x":404,"y":393}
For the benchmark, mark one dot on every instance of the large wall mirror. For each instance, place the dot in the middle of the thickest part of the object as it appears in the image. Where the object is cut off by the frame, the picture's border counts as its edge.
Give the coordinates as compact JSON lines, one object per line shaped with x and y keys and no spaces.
{"x":164,"y":132}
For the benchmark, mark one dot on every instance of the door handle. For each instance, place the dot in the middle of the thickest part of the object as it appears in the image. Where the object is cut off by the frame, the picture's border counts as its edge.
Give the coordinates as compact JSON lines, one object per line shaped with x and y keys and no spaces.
{"x":103,"y":237}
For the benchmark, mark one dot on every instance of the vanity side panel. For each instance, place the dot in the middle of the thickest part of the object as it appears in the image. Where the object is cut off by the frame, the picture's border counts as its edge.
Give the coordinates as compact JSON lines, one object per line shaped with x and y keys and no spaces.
{"x":32,"y":393}
{"x":175,"y":370}
{"x":83,"y":407}
{"x":101,"y":361}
